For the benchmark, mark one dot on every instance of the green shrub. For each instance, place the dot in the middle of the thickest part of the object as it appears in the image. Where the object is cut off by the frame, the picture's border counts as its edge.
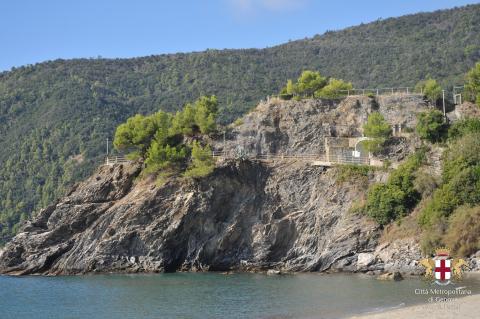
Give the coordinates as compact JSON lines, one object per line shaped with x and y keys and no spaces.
{"x":136,"y":133}
{"x":334,"y":89}
{"x":385,"y":202}
{"x":395,"y":198}
{"x":202,"y":162}
{"x":307,"y":84}
{"x":378,"y":130}
{"x":431,"y":89}
{"x":377,"y":127}
{"x":461,"y":180}
{"x":350,"y":172}
{"x":461,"y":154}
{"x":425,"y":183}
{"x":472,"y":84}
{"x":464,"y":127}
{"x":162,"y":156}
{"x":431,"y":126}
{"x":463,"y":233}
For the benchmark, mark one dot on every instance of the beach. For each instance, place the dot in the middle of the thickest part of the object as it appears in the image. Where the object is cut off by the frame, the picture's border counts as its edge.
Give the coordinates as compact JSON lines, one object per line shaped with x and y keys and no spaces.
{"x":466,"y":307}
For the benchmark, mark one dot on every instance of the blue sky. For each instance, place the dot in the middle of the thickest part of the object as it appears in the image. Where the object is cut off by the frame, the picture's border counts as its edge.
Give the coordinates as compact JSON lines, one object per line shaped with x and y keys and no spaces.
{"x":37,"y":30}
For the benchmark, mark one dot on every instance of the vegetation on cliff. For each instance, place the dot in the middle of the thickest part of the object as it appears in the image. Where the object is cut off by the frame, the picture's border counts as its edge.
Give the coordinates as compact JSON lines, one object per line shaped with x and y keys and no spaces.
{"x":431,"y":126}
{"x":396,"y":198}
{"x":472,"y":84}
{"x":378,"y":130}
{"x":56,"y":116}
{"x":171,"y":142}
{"x":313,"y":84}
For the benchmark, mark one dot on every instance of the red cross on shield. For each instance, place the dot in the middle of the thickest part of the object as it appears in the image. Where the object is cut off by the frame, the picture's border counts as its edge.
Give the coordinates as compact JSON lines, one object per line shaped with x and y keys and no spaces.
{"x":442,"y":269}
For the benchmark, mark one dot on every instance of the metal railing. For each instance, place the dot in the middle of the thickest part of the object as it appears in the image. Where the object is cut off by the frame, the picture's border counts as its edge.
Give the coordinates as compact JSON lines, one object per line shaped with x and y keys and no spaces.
{"x":369,"y":92}
{"x":320,"y":158}
{"x":112,"y":160}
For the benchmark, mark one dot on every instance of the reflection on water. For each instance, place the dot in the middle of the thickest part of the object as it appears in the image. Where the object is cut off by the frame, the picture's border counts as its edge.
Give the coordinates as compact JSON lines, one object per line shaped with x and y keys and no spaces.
{"x":204,"y":295}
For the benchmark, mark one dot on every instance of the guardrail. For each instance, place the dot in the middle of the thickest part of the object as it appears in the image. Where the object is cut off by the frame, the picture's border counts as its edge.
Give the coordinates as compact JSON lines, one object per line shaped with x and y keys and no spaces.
{"x":321,"y":159}
{"x":112,"y":160}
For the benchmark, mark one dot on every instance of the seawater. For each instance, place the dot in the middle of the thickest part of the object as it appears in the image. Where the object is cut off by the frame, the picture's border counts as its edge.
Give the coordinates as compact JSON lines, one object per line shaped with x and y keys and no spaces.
{"x":205,"y":295}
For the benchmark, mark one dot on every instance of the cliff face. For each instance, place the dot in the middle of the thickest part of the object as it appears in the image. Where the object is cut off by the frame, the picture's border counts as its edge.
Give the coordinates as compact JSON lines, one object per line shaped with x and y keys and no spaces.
{"x":246,"y":215}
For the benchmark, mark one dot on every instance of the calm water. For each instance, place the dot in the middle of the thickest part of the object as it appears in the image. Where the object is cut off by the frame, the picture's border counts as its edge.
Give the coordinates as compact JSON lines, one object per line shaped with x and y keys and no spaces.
{"x":204,"y":295}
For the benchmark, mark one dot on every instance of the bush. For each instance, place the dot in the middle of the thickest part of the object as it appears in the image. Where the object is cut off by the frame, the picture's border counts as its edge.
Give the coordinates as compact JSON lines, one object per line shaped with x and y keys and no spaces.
{"x":464,"y":127}
{"x":395,"y":198}
{"x":136,"y":133}
{"x":463,"y":233}
{"x":378,"y":130}
{"x":431,"y":126}
{"x":162,"y":156}
{"x":425,"y":183}
{"x":202,"y":161}
{"x":307,"y":84}
{"x":431,"y":89}
{"x":377,"y":127}
{"x":350,"y":172}
{"x":461,"y":181}
{"x":472,"y":84}
{"x":463,"y":153}
{"x":335,"y":89}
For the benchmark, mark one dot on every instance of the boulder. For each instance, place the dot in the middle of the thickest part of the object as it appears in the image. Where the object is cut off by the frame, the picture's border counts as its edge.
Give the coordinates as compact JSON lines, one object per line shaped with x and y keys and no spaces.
{"x":364,"y":260}
{"x":395,"y":276}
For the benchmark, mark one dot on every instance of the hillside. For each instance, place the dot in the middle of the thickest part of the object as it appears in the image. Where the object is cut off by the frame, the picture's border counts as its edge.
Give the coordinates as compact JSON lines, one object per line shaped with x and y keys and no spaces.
{"x":245,"y":215}
{"x":55,"y":116}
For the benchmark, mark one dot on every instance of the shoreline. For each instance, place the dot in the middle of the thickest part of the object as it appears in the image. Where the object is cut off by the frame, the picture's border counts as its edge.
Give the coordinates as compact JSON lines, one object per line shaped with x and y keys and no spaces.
{"x":456,"y":307}
{"x":464,"y":307}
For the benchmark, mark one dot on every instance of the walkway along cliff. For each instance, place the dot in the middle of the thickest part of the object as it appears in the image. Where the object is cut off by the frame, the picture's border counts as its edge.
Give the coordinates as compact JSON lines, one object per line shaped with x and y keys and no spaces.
{"x":247,"y":215}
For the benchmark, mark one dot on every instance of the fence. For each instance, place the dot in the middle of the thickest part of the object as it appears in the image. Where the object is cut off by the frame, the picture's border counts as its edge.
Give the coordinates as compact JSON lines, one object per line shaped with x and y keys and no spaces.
{"x":112,"y":160}
{"x":316,"y":159}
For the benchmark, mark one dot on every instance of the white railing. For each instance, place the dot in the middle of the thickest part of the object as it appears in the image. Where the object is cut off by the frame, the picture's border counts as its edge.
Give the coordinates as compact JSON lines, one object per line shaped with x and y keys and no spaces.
{"x":112,"y":160}
{"x":327,"y":160}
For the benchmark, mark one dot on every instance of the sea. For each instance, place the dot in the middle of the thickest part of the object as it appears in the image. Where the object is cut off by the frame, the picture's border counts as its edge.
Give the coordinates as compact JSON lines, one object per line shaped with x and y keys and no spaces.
{"x":208,"y":295}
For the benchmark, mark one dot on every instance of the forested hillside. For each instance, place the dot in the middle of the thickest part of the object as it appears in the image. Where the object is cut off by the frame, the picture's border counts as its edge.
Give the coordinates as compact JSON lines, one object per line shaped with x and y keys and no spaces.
{"x":55,"y":116}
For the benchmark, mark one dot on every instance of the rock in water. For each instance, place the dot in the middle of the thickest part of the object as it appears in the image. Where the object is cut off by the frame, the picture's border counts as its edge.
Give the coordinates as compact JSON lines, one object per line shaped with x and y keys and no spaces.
{"x":395,"y":276}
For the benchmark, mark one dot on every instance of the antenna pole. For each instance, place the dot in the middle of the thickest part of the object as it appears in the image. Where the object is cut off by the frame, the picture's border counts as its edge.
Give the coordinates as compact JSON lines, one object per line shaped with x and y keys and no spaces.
{"x":443,"y":103}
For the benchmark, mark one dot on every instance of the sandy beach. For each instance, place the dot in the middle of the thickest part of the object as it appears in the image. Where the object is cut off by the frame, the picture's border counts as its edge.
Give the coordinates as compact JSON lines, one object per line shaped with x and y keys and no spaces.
{"x":466,"y":307}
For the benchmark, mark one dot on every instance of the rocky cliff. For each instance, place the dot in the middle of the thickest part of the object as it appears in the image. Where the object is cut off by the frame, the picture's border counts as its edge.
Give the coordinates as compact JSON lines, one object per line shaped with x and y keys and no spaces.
{"x":246,"y":215}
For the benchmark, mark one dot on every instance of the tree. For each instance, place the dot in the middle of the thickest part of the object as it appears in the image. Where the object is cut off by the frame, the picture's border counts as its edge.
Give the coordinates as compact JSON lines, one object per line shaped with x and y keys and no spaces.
{"x":431,"y":89}
{"x":206,"y":113}
{"x":335,"y":88}
{"x":309,"y":82}
{"x":290,"y":88}
{"x":378,"y":130}
{"x":472,"y":84}
{"x":162,"y":156}
{"x":202,"y":162}
{"x":135,"y":134}
{"x":184,"y":121}
{"x":431,"y":126}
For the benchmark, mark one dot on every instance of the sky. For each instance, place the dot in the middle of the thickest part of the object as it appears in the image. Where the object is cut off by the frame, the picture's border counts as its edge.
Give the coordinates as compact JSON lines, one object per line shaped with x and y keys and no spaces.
{"x":33,"y":31}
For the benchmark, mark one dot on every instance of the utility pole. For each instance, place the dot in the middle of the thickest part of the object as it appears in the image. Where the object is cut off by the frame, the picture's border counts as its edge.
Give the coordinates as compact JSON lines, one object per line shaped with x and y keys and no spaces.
{"x":224,"y":146}
{"x":443,"y":103}
{"x":107,"y":146}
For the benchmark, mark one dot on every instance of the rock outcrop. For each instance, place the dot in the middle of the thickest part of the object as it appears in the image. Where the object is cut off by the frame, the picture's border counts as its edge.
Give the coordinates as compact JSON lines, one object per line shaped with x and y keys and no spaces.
{"x":246,"y":215}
